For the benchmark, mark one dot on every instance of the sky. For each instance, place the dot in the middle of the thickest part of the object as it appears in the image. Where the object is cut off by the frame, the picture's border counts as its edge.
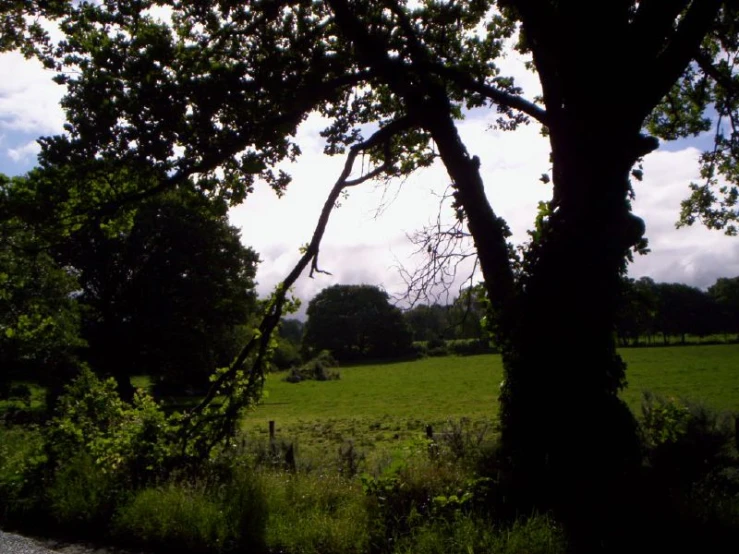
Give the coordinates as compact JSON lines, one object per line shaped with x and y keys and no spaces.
{"x":366,"y":241}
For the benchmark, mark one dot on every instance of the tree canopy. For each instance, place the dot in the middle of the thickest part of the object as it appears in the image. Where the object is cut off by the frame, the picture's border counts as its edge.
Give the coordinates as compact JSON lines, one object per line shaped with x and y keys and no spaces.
{"x":215,"y":91}
{"x":39,"y":317}
{"x":355,"y":322}
{"x":171,"y":296}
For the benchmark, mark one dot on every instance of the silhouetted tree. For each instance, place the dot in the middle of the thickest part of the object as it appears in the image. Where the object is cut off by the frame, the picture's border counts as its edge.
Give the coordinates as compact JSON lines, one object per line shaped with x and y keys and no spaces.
{"x":428,"y":322}
{"x":355,"y":322}
{"x":684,"y":310}
{"x":170,"y":296}
{"x":220,"y":90}
{"x":725,"y":291}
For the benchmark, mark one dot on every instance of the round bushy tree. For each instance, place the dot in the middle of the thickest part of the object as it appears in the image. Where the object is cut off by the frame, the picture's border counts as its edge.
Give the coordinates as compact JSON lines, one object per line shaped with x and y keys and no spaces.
{"x":170,"y":297}
{"x":355,"y":322}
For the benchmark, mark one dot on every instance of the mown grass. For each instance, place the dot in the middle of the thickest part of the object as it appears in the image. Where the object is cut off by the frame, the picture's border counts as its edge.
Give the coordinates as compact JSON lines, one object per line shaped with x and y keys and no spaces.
{"x":707,"y":374}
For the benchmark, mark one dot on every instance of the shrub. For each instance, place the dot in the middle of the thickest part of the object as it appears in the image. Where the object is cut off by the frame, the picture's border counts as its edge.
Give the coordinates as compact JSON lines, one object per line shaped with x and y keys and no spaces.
{"x":419,"y":350}
{"x":20,"y":393}
{"x":685,"y":441}
{"x":470,"y":347}
{"x":21,"y":474}
{"x":286,"y":354}
{"x":132,"y":441}
{"x":317,"y":369}
{"x":437,"y":347}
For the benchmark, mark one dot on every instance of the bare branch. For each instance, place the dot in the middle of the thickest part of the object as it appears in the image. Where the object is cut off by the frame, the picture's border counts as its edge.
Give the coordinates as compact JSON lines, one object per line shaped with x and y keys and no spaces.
{"x":446,"y":248}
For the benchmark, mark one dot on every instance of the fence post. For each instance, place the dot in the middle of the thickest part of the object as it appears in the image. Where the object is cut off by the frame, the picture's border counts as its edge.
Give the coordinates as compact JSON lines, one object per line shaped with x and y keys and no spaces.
{"x":433,"y":447}
{"x":271,"y":430}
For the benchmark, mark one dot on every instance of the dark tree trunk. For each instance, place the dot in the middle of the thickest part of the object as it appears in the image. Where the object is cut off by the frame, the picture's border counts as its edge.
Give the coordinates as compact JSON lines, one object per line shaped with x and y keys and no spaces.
{"x":125,"y":388}
{"x":570,"y":439}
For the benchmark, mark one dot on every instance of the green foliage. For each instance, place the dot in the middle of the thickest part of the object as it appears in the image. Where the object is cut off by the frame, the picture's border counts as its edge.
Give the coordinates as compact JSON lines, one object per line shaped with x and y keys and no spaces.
{"x":21,"y":473}
{"x":686,"y":441}
{"x":83,"y":494}
{"x":286,"y":354}
{"x":215,"y":513}
{"x":411,"y":491}
{"x":468,"y":533}
{"x":39,"y":318}
{"x":665,"y":420}
{"x":320,"y":368}
{"x":437,"y":347}
{"x":463,"y":319}
{"x":725,"y":292}
{"x":135,"y":443}
{"x":171,"y":295}
{"x":219,"y":89}
{"x":355,"y":322}
{"x":290,"y":337}
{"x":178,"y":517}
{"x":316,"y":513}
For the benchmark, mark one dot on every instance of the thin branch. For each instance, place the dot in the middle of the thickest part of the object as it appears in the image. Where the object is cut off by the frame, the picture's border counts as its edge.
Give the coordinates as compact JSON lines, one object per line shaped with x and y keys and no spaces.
{"x":260,"y":339}
{"x":446,"y":247}
{"x":465,"y":81}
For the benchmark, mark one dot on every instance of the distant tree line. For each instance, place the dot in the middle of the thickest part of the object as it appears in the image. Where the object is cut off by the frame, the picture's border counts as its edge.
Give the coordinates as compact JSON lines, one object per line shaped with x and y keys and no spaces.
{"x":357,"y":322}
{"x":651,"y":312}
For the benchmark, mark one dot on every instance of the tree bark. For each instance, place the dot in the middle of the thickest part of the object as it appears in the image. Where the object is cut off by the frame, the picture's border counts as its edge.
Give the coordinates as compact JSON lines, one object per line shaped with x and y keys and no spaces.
{"x":570,"y":439}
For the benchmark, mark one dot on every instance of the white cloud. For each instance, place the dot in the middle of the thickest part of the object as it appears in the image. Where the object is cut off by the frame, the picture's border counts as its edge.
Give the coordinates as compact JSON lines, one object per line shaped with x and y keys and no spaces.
{"x":693,"y":255}
{"x":25,"y":152}
{"x":359,"y":248}
{"x":362,"y":247}
{"x":29,"y":99}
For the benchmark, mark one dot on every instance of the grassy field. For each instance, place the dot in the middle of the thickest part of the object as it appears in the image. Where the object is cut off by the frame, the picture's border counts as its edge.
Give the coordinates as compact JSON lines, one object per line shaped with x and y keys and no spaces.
{"x":374,"y":404}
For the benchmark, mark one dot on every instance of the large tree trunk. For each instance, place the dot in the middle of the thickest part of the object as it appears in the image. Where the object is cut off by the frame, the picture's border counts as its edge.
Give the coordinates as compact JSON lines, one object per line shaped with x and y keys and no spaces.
{"x":570,"y":438}
{"x":571,"y":442}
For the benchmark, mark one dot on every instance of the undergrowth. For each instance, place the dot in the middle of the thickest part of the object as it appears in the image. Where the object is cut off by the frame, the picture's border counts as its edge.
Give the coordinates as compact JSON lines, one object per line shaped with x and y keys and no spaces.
{"x":99,"y":471}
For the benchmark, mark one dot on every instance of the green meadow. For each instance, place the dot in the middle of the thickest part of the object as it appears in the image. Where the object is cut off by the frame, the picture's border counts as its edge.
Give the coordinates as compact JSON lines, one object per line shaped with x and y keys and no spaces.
{"x":374,"y":404}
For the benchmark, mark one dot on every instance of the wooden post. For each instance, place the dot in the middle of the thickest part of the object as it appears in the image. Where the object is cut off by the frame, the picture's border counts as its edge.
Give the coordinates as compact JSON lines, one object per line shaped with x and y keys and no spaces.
{"x":433,"y":447}
{"x":271,"y":430}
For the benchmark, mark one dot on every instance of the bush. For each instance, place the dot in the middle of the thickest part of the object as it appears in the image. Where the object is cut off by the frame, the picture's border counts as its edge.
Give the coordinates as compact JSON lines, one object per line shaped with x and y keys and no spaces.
{"x":419,"y":350}
{"x":437,"y":347}
{"x":685,"y":441}
{"x":132,"y":441}
{"x":317,"y":369}
{"x":286,"y":354}
{"x":21,"y":474}
{"x":470,"y":347}
{"x":217,"y":513}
